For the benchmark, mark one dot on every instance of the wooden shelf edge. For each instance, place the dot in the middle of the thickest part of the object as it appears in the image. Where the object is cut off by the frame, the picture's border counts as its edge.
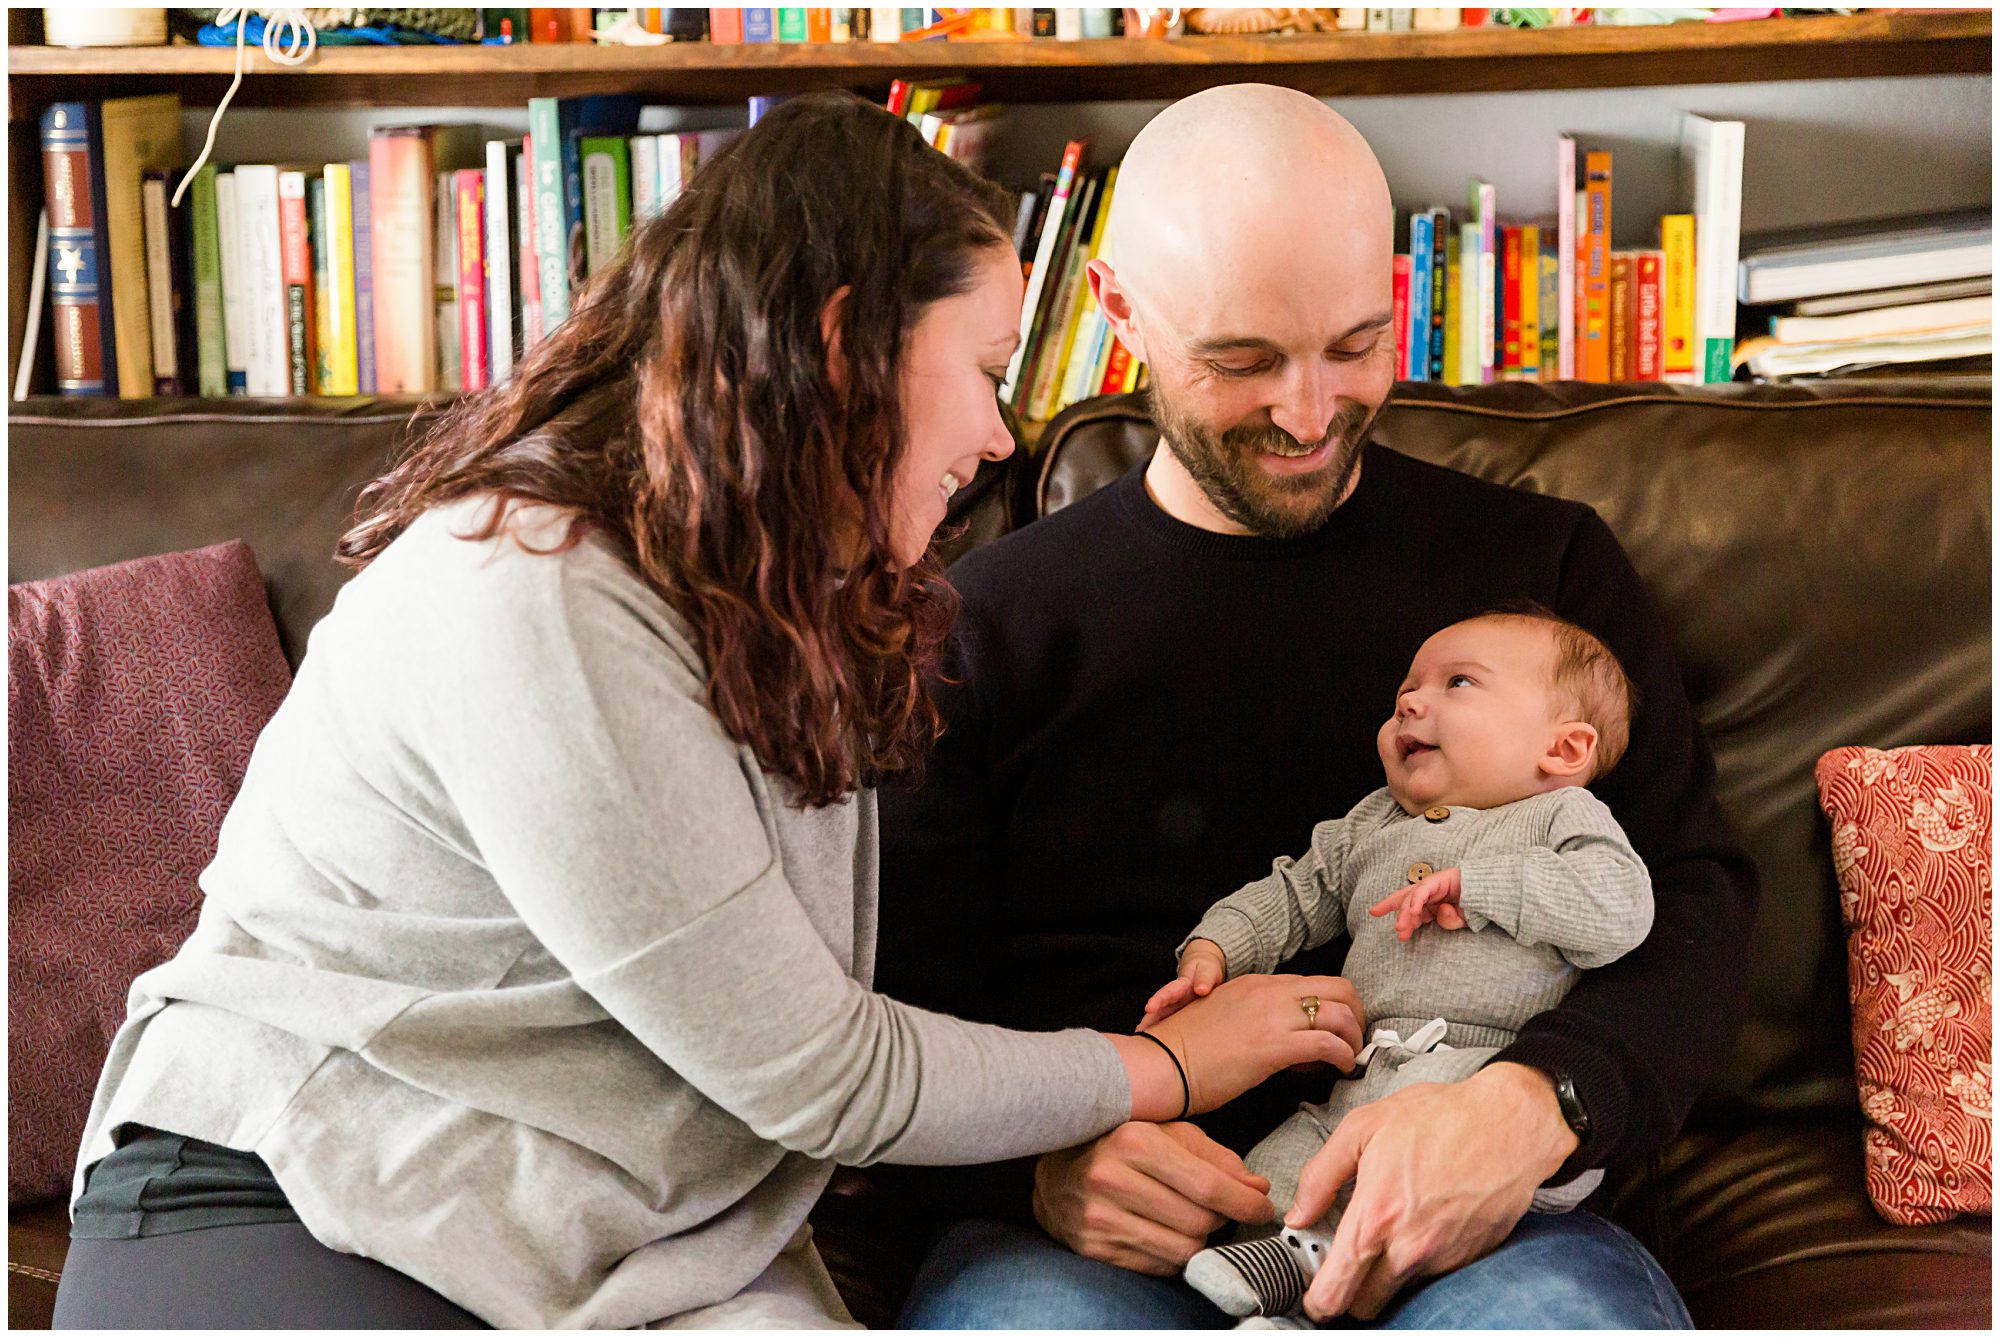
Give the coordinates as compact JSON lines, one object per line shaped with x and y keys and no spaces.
{"x":1484,"y":59}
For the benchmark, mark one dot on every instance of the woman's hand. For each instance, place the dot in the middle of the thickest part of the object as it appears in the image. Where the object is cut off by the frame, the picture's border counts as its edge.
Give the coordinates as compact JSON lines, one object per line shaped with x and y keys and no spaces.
{"x":1250,"y":1027}
{"x":1202,"y":969}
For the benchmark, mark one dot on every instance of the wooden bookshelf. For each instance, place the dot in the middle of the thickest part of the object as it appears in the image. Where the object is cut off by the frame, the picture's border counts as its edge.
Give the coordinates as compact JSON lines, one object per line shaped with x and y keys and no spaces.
{"x":1327,"y":64}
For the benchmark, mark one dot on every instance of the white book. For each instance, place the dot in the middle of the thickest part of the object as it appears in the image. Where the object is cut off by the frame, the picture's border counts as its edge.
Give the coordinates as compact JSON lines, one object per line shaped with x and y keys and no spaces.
{"x":267,"y":361}
{"x":1918,"y":318}
{"x":1038,"y":276}
{"x":1470,"y":370}
{"x":159,"y":282}
{"x":885,"y":23}
{"x":1484,"y":214}
{"x":444,"y":253}
{"x":235,"y":325}
{"x":1566,"y":257}
{"x":1069,"y":25}
{"x":645,"y":177}
{"x":500,"y":297}
{"x":1841,"y":303}
{"x":679,"y":155}
{"x":1711,"y":173}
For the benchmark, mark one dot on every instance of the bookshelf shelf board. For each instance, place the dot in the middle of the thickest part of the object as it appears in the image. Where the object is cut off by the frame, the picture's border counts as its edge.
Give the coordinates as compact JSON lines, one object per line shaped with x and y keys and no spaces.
{"x":1467,"y":60}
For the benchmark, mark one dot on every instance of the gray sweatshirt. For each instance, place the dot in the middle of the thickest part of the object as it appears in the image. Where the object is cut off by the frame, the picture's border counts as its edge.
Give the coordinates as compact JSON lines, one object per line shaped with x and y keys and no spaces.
{"x":1549,"y":884}
{"x":526,"y":980}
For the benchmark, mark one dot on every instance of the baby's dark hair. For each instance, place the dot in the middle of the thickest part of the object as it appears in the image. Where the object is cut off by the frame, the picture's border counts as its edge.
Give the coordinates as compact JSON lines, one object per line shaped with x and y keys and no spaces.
{"x":1588,"y":676}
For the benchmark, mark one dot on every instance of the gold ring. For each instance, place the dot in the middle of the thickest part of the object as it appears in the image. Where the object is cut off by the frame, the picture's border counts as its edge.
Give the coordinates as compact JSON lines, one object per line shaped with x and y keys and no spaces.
{"x":1309,"y":1004}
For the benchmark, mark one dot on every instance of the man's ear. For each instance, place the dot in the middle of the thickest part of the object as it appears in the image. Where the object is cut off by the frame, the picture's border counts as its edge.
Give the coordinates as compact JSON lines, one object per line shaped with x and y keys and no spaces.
{"x":1117,"y":308}
{"x":830,"y":318}
{"x":1570,"y":753}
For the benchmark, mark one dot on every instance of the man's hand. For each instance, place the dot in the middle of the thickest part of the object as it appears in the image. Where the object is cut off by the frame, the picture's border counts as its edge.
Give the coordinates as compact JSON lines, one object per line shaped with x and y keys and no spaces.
{"x":1202,"y":969}
{"x":1146,"y":1196}
{"x":1441,"y":1171}
{"x":1434,"y":898}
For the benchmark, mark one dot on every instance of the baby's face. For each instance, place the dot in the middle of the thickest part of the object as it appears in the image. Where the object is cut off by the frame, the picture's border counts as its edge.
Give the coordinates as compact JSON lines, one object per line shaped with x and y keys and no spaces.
{"x":1474,"y":718}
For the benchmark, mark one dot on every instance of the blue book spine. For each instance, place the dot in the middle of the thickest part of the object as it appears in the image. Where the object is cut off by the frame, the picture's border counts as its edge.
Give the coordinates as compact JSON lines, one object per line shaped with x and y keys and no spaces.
{"x":592,"y":114}
{"x":1419,"y":368}
{"x":79,"y":282}
{"x":1440,"y":242}
{"x":757,"y":25}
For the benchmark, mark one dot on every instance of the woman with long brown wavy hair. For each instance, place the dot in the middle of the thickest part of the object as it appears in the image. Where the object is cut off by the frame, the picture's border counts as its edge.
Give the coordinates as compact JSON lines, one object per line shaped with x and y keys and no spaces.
{"x":531,"y":984}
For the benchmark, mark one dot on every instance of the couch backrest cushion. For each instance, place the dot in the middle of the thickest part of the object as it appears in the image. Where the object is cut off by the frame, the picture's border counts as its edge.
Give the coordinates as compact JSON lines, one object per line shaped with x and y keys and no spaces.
{"x":92,"y":482}
{"x":1820,"y":554}
{"x":134,"y":694}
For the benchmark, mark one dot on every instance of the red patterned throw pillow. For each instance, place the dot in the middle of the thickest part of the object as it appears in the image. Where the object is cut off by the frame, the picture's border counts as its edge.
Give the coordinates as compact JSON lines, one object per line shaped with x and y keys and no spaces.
{"x":1913,"y":849}
{"x":134,"y":694}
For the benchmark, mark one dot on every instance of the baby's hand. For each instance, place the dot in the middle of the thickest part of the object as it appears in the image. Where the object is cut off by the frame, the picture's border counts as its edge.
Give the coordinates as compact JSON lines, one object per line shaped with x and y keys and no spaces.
{"x":1433,"y":899}
{"x":1202,"y":969}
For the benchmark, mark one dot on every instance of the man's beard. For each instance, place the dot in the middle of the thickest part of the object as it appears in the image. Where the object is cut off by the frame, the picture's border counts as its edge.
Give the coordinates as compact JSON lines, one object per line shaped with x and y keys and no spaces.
{"x":1224,"y":466}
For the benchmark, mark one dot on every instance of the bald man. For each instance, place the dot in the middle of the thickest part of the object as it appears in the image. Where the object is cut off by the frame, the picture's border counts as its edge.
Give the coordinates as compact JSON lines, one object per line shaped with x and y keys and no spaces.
{"x":1157,"y":690}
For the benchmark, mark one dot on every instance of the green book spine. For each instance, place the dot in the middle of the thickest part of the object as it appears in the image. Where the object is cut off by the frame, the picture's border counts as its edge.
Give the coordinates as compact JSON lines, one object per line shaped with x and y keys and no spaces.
{"x":322,"y":288}
{"x":211,"y":352}
{"x":551,"y":232}
{"x":607,"y":198}
{"x":1549,"y":278}
{"x":791,"y":25}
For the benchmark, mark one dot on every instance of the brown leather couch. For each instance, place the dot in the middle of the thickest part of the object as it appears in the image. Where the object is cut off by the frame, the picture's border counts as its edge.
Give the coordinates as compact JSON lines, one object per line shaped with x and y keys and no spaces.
{"x":1821,"y":554}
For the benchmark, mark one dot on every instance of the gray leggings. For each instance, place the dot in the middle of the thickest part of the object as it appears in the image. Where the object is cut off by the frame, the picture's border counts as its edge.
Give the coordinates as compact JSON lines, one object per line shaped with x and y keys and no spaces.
{"x":266,"y":1275}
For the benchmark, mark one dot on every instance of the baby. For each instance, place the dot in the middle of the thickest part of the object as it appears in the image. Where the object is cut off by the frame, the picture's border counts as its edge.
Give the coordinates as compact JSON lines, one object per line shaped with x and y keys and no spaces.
{"x":1485,"y":826}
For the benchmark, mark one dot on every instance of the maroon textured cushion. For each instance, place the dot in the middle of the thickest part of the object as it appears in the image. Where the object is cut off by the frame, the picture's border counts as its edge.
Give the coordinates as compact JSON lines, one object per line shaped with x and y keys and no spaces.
{"x":134,"y":695}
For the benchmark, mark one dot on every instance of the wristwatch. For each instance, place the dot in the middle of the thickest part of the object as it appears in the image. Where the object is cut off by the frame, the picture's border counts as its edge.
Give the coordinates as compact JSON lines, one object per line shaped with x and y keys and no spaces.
{"x":1573,"y":1112}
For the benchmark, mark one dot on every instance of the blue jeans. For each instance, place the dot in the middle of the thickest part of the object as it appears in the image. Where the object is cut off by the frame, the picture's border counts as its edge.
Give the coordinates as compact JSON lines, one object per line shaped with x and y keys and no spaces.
{"x":1557,"y":1271}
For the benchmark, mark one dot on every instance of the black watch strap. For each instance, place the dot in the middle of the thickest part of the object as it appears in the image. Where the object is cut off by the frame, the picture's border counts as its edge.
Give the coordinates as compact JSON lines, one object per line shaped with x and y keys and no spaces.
{"x":1573,"y":1111}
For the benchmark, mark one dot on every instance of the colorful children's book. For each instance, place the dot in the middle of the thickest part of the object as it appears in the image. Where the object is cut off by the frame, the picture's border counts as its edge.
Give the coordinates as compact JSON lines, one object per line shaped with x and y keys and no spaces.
{"x":1415,"y":363}
{"x":1677,"y":297}
{"x":363,"y":223}
{"x":1595,"y":238}
{"x":340,"y":347}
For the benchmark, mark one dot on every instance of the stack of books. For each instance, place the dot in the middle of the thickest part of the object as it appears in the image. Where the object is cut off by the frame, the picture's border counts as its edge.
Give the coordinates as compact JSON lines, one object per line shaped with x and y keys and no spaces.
{"x":427,"y":266}
{"x":1911,"y":294}
{"x":1479,"y":298}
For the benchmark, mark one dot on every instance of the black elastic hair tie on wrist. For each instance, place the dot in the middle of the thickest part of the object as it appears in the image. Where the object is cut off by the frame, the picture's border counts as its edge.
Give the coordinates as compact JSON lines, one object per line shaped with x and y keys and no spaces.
{"x":1185,"y":1098}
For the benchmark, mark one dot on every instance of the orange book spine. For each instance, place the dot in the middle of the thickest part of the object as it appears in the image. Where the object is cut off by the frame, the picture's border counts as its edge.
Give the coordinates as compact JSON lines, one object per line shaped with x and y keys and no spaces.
{"x":1114,"y":373}
{"x":819,"y":25}
{"x":1621,"y":316}
{"x":1597,"y":267}
{"x":1647,"y":307}
{"x":400,"y":183}
{"x":1510,"y":299}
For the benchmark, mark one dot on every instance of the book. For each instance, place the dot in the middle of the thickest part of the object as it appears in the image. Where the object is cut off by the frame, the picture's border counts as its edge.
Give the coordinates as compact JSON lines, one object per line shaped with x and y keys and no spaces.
{"x":469,"y":213}
{"x":819,"y":24}
{"x":401,"y":186}
{"x":1115,"y":369}
{"x":1441,"y":235}
{"x":340,"y":298}
{"x":1485,"y":217}
{"x":791,"y":25}
{"x":138,"y":133}
{"x":362,"y":220}
{"x":1566,"y":285}
{"x":1677,"y":296}
{"x":1475,"y":331}
{"x":205,"y":252}
{"x":235,"y":285}
{"x":501,"y":299}
{"x":78,"y":282}
{"x":322,"y":284}
{"x":1058,"y":298}
{"x":1873,"y":253}
{"x":557,"y":127}
{"x":1038,"y":277}
{"x":1594,"y":358}
{"x":295,"y":257}
{"x":1400,"y":269}
{"x":1453,"y":373}
{"x":607,"y":198}
{"x":444,"y":282}
{"x":645,"y":154}
{"x":166,"y":288}
{"x":1414,"y":363}
{"x":757,"y":25}
{"x":725,"y":25}
{"x":1549,"y":313}
{"x":266,"y":356}
{"x":1711,"y":175}
{"x":1836,"y":304}
{"x":1953,"y":316}
{"x":1530,"y":284}
{"x":1620,"y":325}
{"x":1076,"y":299}
{"x":1646,"y":315}
{"x":1510,"y":299}
{"x":1765,"y":357}
{"x":529,"y":271}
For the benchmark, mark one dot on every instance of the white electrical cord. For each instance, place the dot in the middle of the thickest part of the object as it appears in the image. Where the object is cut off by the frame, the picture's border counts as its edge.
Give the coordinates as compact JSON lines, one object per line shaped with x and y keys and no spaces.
{"x":289,"y":39}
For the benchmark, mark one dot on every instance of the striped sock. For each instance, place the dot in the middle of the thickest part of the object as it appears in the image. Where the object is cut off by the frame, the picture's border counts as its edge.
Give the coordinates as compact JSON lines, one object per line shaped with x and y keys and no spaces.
{"x":1266,"y":1276}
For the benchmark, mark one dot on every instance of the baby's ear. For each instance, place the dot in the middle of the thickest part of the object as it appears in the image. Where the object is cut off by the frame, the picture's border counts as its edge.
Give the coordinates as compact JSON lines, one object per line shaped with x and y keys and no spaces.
{"x":1571,"y":751}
